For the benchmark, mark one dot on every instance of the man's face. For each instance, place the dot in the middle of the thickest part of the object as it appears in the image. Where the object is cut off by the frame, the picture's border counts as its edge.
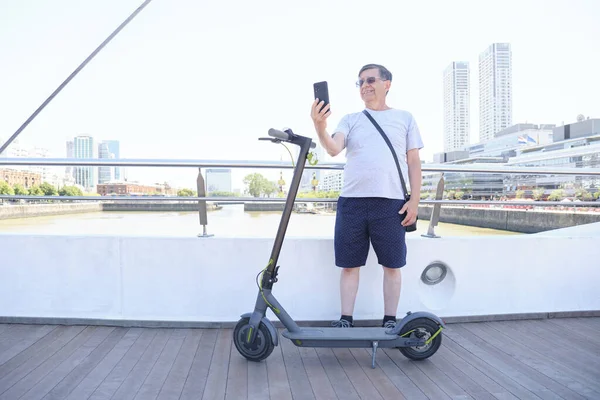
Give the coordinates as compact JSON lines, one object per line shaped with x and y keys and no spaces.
{"x":372,"y":87}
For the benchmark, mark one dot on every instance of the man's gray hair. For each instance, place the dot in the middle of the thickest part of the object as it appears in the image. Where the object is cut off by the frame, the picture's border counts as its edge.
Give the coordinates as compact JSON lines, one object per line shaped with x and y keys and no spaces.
{"x":383,"y":71}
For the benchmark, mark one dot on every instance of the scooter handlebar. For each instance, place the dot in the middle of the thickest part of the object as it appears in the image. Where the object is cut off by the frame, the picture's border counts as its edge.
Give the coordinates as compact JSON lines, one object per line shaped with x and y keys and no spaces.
{"x":276,"y":133}
{"x":279,"y":134}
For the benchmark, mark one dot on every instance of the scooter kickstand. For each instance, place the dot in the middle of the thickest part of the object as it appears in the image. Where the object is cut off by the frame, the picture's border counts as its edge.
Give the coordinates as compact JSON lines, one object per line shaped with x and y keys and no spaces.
{"x":375,"y":344}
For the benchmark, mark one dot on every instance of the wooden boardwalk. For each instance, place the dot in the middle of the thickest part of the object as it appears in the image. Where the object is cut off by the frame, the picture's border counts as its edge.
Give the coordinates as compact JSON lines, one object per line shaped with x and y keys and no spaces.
{"x":532,"y":359}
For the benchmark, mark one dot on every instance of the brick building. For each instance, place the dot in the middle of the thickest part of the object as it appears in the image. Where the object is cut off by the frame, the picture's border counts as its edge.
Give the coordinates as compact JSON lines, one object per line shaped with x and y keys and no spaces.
{"x":129,"y":188}
{"x":26,"y":179}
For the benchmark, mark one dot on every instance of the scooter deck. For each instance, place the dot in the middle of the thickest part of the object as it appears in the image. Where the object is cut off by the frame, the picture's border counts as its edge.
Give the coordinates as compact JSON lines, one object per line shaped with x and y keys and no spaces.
{"x":336,"y":334}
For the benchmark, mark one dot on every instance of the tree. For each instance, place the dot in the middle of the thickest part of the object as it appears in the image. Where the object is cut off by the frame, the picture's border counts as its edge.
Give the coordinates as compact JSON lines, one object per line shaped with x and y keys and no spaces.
{"x":48,"y":189}
{"x":70,"y":191}
{"x":186,"y":193}
{"x":583,"y":195}
{"x":256,"y":183}
{"x":20,"y":190}
{"x":270,"y":188}
{"x":223,"y":194}
{"x":35,"y":191}
{"x":6,"y":189}
{"x":557,"y":195}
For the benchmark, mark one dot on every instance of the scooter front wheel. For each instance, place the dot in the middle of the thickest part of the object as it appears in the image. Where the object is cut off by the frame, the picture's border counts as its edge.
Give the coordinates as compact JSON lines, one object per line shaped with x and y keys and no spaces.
{"x":260,"y":348}
{"x":421,"y":328}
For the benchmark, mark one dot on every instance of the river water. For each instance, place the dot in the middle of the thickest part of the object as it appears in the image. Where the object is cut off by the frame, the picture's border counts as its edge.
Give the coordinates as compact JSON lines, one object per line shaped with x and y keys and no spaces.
{"x":230,"y":221}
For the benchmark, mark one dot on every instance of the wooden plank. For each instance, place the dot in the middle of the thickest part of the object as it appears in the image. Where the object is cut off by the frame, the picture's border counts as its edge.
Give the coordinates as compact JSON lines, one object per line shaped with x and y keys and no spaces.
{"x":17,"y":343}
{"x":577,"y":375}
{"x":43,"y":369}
{"x":159,"y":372}
{"x":173,"y":385}
{"x":237,"y":377}
{"x":62,"y":390}
{"x":467,"y":351}
{"x":138,"y":374}
{"x":25,"y":355}
{"x":560,"y":379}
{"x":576,"y":328}
{"x":4,"y":327}
{"x":449,"y":387}
{"x":296,"y":374}
{"x":381,"y":382}
{"x":408,"y":367}
{"x":592,"y":322}
{"x":195,"y":382}
{"x":217,"y":375}
{"x":460,"y":377}
{"x":317,"y":376}
{"x":258,"y":381}
{"x":61,"y":371}
{"x":87,"y":386}
{"x":13,"y":330}
{"x":337,"y":376}
{"x":403,"y":383}
{"x":553,"y":335}
{"x":362,"y":384}
{"x":471,"y":373}
{"x":38,"y":359}
{"x":529,"y":376}
{"x":279,"y":387}
{"x":115,"y":378}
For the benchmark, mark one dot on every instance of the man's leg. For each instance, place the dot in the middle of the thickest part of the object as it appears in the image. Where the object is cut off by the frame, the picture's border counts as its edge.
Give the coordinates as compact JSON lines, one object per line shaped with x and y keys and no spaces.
{"x":388,"y":238}
{"x":349,"y":279}
{"x":351,"y":244}
{"x":392,"y":282}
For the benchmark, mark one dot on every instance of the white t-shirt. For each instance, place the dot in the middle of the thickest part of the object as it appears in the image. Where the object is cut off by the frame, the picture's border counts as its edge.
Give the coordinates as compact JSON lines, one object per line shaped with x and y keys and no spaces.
{"x":370,"y":169}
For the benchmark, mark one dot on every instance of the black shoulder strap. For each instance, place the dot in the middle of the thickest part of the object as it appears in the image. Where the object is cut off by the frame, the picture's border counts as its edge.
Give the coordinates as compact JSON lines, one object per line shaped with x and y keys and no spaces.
{"x":406,"y":195}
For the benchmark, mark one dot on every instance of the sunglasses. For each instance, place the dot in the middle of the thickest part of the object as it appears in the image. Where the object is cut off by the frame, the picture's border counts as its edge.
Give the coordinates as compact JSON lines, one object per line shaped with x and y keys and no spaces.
{"x":370,"y":80}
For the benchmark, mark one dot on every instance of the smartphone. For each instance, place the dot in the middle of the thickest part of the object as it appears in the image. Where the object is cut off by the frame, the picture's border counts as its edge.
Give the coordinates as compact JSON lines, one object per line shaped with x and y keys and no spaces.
{"x":322,"y":92}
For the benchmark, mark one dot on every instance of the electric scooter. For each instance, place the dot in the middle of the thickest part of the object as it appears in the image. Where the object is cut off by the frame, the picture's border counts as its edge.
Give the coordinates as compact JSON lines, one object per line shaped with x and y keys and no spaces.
{"x":417,"y":335}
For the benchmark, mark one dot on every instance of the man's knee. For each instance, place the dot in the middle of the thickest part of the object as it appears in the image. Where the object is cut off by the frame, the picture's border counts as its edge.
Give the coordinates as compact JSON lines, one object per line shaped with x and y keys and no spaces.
{"x":392,"y":272}
{"x":350,"y":271}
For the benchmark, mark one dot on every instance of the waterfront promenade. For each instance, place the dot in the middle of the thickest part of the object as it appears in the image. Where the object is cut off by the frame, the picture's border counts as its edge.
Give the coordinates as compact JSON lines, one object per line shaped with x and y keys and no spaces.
{"x":525,"y":359}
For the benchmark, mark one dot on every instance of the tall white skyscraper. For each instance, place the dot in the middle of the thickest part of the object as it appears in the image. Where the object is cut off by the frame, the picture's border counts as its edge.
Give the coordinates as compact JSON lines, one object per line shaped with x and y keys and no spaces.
{"x":83,"y":147}
{"x":457,"y":115}
{"x":495,"y":90}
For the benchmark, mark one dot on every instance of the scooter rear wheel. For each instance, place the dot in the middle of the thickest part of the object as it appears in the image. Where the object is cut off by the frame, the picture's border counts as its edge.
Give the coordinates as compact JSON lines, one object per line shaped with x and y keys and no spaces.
{"x":421,"y":328}
{"x":260,"y":348}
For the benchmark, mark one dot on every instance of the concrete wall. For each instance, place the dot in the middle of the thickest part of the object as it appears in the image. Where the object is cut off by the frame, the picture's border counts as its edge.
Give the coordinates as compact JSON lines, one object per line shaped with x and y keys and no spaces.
{"x":524,"y":221}
{"x":39,"y":210}
{"x":156,"y":206}
{"x":213,"y":279}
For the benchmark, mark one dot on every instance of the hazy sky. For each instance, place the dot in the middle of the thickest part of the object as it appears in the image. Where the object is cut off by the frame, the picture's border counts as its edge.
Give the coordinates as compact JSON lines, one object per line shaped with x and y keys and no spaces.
{"x":203,"y":80}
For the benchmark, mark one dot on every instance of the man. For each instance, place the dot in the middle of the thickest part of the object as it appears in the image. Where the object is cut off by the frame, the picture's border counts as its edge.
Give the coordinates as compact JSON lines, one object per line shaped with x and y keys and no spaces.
{"x":372,"y":200}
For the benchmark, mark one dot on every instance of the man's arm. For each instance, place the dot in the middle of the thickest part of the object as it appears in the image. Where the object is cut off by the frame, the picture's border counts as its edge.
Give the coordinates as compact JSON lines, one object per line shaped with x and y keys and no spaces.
{"x":333,"y":145}
{"x":414,"y":176}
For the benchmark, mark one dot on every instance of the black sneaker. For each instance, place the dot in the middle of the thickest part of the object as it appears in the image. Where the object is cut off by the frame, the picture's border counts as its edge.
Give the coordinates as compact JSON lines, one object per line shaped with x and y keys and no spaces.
{"x":342,"y":323}
{"x":389,"y":324}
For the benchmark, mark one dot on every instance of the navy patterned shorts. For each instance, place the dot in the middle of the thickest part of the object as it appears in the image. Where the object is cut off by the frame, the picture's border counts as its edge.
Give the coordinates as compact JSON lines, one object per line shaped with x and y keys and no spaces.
{"x":360,"y":220}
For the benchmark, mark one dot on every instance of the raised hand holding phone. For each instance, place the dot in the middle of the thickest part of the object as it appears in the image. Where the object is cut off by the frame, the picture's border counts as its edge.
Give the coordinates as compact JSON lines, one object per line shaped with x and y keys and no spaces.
{"x":321,"y":107}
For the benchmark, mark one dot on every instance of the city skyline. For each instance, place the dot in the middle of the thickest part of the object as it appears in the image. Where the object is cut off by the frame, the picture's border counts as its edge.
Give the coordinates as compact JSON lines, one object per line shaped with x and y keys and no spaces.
{"x":457,"y":112}
{"x":170,"y":92}
{"x":494,"y":92}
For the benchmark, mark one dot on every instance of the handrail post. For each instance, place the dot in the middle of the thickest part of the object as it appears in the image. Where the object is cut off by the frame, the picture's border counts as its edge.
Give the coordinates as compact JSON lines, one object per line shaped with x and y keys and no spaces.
{"x":202,"y":204}
{"x":435,"y":214}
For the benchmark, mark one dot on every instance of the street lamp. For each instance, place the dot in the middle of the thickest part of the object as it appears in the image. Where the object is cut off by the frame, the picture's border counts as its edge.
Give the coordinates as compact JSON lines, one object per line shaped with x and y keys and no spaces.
{"x":314,"y":182}
{"x":281,"y":182}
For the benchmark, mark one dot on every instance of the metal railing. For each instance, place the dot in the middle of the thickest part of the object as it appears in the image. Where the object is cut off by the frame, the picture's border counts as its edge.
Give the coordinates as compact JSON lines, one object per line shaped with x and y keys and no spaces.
{"x":202,"y":198}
